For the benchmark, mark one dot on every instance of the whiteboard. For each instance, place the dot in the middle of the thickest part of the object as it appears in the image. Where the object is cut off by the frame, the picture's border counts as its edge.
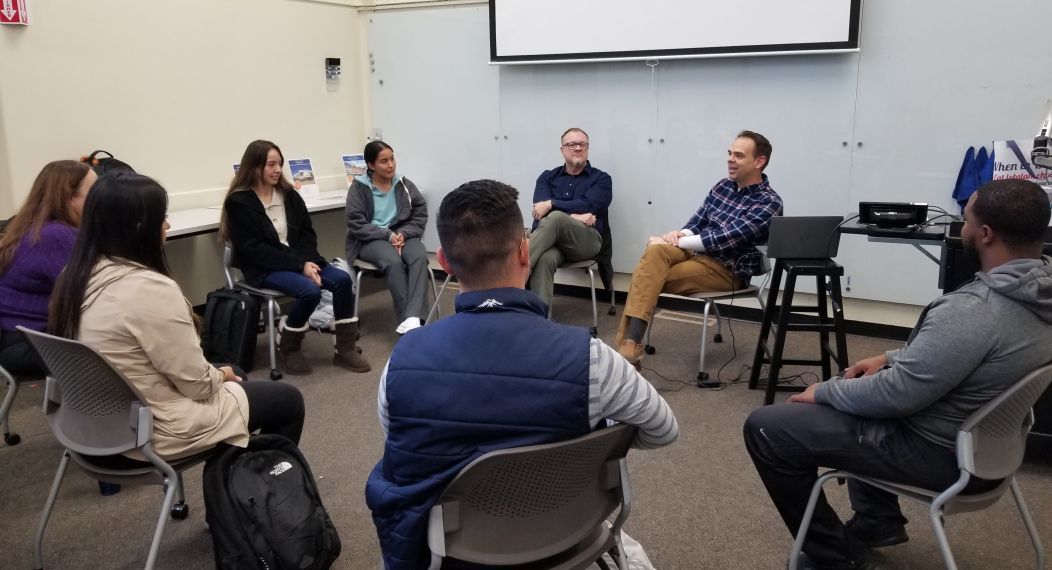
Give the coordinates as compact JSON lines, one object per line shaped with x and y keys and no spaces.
{"x":551,"y":30}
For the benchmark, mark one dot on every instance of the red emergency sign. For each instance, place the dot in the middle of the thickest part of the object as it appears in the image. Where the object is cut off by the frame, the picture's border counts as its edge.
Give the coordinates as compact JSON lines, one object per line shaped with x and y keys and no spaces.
{"x":14,"y":12}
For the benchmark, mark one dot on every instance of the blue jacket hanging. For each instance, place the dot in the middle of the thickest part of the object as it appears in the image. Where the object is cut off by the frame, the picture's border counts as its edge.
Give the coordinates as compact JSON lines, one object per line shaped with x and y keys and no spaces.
{"x":976,"y":170}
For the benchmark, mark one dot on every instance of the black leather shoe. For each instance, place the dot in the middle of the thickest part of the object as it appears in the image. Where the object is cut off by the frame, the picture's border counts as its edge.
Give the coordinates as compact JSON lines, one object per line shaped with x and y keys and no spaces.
{"x":876,"y":534}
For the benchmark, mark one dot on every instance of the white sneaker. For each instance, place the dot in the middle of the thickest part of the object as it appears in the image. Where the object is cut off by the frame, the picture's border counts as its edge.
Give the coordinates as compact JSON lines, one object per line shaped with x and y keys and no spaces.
{"x":408,"y":325}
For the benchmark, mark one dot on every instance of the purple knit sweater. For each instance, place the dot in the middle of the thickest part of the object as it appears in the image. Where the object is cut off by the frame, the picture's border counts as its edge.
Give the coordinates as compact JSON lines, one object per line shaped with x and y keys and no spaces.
{"x":25,"y":287}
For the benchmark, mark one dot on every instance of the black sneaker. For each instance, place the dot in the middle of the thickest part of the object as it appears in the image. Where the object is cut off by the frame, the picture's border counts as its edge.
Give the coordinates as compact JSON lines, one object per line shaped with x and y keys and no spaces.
{"x":875,"y":533}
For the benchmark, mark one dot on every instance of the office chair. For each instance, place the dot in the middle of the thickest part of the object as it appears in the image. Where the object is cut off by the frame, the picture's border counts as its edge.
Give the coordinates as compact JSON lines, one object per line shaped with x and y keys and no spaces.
{"x":361,"y":266}
{"x":990,"y":445}
{"x":270,"y":296}
{"x":709,"y":298}
{"x":5,"y":407}
{"x":541,"y":504}
{"x":98,"y":415}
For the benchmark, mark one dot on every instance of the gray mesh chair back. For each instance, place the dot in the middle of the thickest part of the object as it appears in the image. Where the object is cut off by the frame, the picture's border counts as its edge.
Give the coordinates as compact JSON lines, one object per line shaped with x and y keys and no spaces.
{"x":990,"y":445}
{"x":234,"y":280}
{"x":96,"y":414}
{"x":86,"y":401}
{"x":526,"y":504}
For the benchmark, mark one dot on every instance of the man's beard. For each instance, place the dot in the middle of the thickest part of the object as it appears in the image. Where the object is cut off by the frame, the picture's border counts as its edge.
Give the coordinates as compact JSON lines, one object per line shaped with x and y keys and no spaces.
{"x":971,"y":254}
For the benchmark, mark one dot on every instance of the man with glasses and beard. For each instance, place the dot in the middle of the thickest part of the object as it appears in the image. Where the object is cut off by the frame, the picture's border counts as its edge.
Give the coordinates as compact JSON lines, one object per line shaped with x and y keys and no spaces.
{"x":895,"y":416}
{"x":569,"y":213}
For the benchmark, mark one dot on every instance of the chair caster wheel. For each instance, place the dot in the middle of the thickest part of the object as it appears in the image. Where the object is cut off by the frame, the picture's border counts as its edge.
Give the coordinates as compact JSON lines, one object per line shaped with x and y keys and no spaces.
{"x":275,"y":374}
{"x":649,"y":349}
{"x":594,"y":332}
{"x":705,"y":382}
{"x":717,"y":338}
{"x":612,"y":311}
{"x":12,"y":438}
{"x":180,"y":511}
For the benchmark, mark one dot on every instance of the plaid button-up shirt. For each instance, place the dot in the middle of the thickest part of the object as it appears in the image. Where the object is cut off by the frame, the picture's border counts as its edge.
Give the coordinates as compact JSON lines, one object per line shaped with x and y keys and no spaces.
{"x":733,"y":221}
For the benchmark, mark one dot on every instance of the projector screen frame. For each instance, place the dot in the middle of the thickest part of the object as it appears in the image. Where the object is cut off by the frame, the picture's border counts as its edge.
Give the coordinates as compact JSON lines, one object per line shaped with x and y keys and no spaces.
{"x":851,"y":45}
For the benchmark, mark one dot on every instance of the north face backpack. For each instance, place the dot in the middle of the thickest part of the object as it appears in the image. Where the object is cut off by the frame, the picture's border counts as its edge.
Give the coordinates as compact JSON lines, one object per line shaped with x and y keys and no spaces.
{"x":230,"y":328}
{"x":264,"y":511}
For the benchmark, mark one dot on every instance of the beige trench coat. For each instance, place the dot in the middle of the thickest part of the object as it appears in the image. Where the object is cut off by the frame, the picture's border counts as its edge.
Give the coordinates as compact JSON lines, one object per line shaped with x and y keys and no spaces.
{"x":139,"y":320}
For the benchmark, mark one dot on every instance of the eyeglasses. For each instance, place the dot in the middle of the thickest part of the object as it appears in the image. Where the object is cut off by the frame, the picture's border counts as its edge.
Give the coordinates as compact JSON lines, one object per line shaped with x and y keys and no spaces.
{"x":575,"y":145}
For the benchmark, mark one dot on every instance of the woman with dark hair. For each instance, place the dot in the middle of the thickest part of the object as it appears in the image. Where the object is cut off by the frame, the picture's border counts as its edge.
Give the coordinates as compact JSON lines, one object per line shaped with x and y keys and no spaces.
{"x":117,"y":297}
{"x":386,"y":216}
{"x":273,"y":241}
{"x":35,"y":246}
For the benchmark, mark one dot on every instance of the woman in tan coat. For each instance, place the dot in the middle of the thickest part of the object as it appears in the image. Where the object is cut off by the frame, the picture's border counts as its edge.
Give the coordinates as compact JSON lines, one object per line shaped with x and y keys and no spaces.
{"x":117,"y":297}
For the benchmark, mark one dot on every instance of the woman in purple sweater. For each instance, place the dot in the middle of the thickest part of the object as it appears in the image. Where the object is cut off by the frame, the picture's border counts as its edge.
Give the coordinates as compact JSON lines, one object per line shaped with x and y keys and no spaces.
{"x":34,"y":247}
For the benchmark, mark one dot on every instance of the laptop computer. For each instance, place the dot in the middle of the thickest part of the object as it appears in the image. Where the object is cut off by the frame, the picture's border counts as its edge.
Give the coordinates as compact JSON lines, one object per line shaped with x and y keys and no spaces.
{"x":804,"y":237}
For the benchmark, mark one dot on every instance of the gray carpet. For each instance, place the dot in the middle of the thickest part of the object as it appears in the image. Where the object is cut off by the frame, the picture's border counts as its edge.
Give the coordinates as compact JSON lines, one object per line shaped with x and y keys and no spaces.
{"x":698,"y":503}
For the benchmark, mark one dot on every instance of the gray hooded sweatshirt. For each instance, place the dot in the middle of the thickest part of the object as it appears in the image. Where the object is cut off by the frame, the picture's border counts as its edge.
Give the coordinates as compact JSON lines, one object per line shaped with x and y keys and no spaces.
{"x":968,"y":347}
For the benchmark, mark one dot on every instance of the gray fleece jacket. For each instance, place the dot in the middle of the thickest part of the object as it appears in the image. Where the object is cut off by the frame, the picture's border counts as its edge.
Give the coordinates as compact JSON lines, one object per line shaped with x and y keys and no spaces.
{"x":968,"y":347}
{"x":410,"y":219}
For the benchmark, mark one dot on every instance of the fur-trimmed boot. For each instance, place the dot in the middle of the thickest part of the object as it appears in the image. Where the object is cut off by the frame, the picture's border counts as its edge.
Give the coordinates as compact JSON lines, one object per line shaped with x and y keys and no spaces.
{"x":347,"y":354}
{"x":292,"y":359}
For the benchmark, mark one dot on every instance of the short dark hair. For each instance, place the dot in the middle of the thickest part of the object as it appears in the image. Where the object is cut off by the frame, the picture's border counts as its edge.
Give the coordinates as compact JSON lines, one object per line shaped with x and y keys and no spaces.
{"x":763,"y":146}
{"x":123,"y":218}
{"x":479,"y":226}
{"x":1017,"y":211}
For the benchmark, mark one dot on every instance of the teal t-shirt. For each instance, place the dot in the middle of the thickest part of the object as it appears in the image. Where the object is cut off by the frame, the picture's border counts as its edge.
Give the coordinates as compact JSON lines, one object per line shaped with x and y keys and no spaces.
{"x":384,"y":207}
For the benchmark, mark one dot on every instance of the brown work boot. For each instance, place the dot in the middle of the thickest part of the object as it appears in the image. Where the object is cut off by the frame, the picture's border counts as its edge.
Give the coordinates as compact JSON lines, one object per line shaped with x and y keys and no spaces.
{"x":347,"y":354}
{"x":632,"y":351}
{"x":292,"y":359}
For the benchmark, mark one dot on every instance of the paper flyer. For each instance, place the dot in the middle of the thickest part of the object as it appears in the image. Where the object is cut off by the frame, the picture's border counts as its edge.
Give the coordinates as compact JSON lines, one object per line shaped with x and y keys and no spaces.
{"x":353,"y":165}
{"x":303,"y":177}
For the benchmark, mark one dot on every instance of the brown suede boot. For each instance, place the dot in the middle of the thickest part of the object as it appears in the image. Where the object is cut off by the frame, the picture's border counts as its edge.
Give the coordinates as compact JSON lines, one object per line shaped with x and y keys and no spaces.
{"x":292,"y":359}
{"x":347,"y":354}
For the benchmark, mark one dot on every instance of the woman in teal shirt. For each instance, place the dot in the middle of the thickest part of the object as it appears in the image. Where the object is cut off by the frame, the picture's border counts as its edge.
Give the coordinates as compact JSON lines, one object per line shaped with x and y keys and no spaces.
{"x":386,"y":217}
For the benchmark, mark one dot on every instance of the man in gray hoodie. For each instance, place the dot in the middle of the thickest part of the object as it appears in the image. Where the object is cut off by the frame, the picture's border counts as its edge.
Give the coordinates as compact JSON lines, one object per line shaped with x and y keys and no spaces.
{"x":895,"y":416}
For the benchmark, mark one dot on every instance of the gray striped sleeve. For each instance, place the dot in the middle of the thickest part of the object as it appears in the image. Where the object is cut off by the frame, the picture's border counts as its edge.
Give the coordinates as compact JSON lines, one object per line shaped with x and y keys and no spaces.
{"x":381,"y":400}
{"x":617,"y":392}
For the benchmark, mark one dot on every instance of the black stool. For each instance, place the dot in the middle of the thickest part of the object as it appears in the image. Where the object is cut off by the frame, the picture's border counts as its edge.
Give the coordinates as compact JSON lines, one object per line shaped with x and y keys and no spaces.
{"x":827,"y":276}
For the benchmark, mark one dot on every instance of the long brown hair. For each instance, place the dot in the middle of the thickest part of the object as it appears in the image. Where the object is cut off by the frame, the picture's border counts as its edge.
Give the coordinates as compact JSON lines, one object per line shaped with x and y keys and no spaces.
{"x":49,"y":199}
{"x":248,"y":175}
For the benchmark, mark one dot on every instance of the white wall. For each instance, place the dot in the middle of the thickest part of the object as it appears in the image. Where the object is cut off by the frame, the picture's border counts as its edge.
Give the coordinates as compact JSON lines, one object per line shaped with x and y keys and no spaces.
{"x":889,"y":123}
{"x":177,"y":90}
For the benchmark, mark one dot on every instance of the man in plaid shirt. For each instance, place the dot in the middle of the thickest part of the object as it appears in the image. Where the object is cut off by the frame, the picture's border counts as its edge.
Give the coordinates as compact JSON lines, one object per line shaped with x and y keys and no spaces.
{"x":715,"y":250}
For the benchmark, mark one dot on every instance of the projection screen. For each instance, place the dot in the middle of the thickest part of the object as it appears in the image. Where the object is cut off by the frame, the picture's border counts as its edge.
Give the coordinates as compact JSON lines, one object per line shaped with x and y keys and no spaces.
{"x":551,"y":31}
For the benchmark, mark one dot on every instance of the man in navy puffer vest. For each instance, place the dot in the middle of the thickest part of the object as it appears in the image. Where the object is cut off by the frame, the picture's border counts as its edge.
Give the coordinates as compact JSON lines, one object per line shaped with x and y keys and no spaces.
{"x":497,"y":374}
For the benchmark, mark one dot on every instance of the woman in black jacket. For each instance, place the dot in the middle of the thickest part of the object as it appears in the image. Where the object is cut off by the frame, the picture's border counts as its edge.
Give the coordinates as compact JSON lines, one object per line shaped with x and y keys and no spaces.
{"x":273,"y":241}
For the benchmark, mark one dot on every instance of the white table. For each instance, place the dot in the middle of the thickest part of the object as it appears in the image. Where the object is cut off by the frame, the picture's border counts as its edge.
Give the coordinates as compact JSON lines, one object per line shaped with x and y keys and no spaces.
{"x":197,"y":221}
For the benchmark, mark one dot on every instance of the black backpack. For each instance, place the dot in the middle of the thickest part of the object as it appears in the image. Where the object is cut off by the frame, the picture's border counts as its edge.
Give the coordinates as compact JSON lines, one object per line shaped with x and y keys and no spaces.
{"x":264,"y":511}
{"x":230,"y":327}
{"x":104,"y":164}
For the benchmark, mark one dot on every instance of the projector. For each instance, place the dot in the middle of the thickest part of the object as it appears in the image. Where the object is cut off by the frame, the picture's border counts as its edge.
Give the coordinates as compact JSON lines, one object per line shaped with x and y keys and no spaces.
{"x":892,"y":214}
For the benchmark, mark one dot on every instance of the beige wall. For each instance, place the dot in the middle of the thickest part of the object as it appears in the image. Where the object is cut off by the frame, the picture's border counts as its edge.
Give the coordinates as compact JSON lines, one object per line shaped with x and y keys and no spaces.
{"x":178,"y":90}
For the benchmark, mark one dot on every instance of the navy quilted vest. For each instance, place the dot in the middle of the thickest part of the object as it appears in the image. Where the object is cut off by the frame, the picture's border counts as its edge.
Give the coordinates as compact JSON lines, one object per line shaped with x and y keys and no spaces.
{"x":497,"y":374}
